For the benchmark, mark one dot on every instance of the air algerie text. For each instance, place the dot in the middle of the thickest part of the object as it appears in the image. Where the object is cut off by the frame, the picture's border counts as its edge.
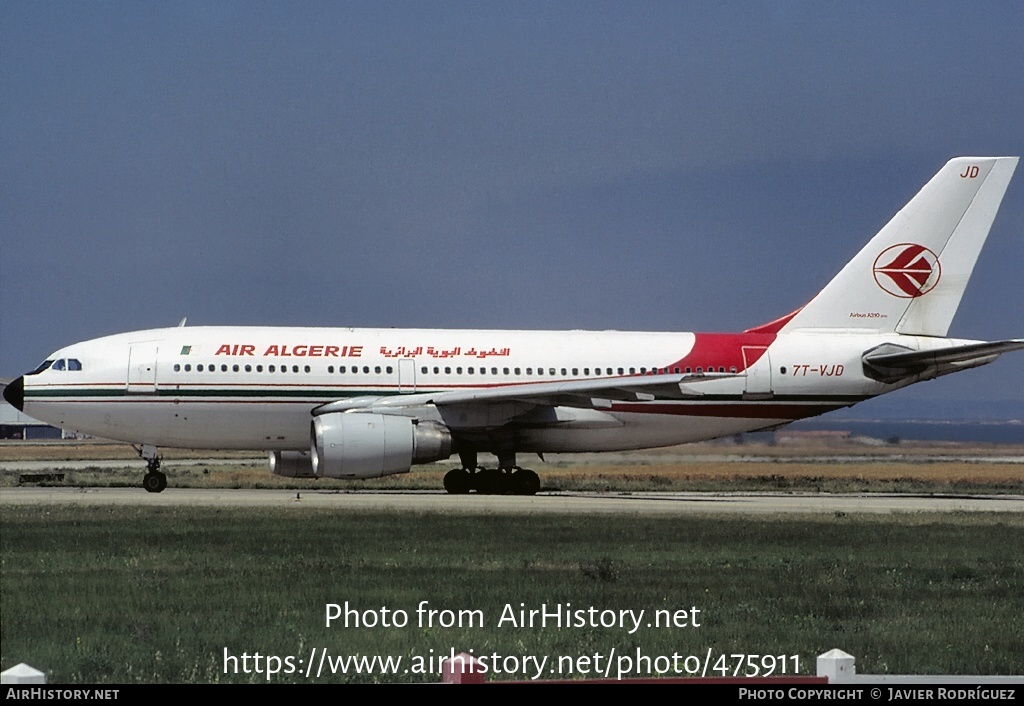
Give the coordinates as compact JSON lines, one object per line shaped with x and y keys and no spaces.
{"x":563,"y":615}
{"x":300,"y":351}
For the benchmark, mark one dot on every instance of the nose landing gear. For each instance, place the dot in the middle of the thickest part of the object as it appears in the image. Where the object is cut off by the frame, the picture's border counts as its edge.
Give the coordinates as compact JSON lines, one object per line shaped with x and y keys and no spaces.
{"x":154,"y":481}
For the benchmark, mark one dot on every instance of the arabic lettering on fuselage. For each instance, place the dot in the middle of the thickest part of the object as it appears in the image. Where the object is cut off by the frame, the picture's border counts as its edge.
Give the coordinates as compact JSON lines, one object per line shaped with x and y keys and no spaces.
{"x":432,"y":352}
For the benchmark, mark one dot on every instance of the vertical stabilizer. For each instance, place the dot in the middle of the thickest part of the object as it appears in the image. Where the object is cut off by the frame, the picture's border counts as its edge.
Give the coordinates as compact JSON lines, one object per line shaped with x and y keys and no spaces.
{"x":911,"y":276}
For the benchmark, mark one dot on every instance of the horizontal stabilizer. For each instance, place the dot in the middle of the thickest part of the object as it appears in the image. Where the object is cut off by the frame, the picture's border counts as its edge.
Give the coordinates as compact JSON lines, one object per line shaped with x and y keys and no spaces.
{"x":889,"y":365}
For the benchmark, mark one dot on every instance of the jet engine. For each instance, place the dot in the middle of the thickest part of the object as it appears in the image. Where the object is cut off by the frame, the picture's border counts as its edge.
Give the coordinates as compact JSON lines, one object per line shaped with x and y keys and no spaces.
{"x":291,"y":464}
{"x":363,"y":445}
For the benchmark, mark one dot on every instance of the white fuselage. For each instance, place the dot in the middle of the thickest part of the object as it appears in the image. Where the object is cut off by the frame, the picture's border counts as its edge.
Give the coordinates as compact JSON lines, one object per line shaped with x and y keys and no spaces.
{"x":254,"y":388}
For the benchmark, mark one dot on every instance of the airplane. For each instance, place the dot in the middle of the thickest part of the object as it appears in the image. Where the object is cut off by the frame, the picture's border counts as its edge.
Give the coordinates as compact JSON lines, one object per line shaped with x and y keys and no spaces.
{"x":365,"y":403}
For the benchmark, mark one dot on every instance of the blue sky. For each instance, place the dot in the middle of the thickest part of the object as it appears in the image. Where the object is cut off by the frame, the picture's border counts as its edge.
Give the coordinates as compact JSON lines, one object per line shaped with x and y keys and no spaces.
{"x":648,"y":166}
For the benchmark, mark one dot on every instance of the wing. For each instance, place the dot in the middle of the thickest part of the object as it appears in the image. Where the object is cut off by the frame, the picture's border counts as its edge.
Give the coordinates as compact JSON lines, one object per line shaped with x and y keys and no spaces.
{"x":584,"y":394}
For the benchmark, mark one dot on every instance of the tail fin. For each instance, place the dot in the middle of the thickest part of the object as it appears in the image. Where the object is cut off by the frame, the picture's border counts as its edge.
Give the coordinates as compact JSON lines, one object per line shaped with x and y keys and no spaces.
{"x":910,"y":277}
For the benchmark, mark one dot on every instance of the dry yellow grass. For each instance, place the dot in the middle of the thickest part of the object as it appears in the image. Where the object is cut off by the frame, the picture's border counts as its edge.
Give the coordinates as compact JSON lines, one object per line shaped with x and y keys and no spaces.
{"x":696,"y":466}
{"x":99,"y":451}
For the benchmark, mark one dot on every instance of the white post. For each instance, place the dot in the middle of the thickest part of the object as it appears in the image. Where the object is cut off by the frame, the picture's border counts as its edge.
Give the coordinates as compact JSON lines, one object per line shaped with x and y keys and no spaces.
{"x":836,"y":665}
{"x":22,"y":674}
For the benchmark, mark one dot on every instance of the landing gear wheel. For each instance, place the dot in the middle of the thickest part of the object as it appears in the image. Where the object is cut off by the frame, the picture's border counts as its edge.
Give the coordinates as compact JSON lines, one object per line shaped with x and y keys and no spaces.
{"x":457,"y":481}
{"x":525,"y":482}
{"x":154,"y":482}
{"x":491,"y":481}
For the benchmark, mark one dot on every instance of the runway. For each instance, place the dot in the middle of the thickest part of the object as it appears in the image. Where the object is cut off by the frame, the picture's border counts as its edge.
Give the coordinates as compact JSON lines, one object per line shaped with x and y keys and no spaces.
{"x":547,"y":503}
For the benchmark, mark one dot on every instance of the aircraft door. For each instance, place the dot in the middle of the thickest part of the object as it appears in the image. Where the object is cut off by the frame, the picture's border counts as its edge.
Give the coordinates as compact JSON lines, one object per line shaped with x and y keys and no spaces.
{"x":406,"y":375}
{"x":758,"y":366}
{"x":142,"y":368}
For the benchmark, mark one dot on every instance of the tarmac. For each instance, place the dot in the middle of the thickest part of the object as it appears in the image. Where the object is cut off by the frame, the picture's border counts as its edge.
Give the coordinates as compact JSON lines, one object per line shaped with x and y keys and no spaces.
{"x":647,"y":503}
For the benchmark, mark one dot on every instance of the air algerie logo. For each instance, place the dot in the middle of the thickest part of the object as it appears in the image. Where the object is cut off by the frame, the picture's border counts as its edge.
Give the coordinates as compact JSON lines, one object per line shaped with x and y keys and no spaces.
{"x":907,"y":270}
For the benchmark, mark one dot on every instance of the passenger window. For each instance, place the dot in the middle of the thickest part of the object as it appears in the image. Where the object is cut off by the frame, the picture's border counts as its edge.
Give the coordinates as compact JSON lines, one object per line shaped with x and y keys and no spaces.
{"x":575,"y":371}
{"x":234,"y":368}
{"x":330,"y":368}
{"x":458,"y":370}
{"x":529,"y":371}
{"x":248,"y":368}
{"x":177,"y":368}
{"x":504,"y":371}
{"x":494,"y":371}
{"x":366,"y":369}
{"x":259,"y":368}
{"x":376,"y":369}
{"x":307,"y":369}
{"x":518,"y":371}
{"x":223,"y":368}
{"x":188,"y":368}
{"x":469,"y":371}
{"x":423,"y":370}
{"x":295,"y":368}
{"x":271,"y":369}
{"x":200,"y":368}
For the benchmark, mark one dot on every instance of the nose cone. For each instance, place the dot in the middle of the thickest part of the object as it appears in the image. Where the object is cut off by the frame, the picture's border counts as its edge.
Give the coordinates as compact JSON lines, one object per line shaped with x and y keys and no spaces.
{"x":14,"y":393}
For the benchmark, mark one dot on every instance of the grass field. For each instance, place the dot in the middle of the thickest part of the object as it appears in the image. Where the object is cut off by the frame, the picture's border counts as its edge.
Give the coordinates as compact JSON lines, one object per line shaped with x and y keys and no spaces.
{"x":159,"y":594}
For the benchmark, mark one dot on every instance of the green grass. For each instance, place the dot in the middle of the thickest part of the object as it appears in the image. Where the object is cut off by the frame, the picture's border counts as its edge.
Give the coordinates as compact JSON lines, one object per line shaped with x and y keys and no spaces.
{"x":157,"y":594}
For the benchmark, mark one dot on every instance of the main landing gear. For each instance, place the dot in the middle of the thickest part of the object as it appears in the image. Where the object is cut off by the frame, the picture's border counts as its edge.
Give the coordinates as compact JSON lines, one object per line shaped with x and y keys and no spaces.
{"x":508,"y":479}
{"x":492,"y":481}
{"x":154,"y":481}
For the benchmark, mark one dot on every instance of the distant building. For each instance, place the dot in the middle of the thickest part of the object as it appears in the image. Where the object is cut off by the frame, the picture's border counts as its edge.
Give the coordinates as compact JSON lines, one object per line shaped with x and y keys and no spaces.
{"x":18,"y":425}
{"x":790,"y":436}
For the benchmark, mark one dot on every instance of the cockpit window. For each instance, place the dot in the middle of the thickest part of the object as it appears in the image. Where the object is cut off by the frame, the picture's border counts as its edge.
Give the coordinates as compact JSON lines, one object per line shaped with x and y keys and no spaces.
{"x":60,"y":364}
{"x":43,"y":366}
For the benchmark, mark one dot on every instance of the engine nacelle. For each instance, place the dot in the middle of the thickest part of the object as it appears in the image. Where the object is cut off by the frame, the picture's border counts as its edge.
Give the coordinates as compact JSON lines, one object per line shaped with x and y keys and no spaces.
{"x":363,"y":445}
{"x":291,"y":464}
